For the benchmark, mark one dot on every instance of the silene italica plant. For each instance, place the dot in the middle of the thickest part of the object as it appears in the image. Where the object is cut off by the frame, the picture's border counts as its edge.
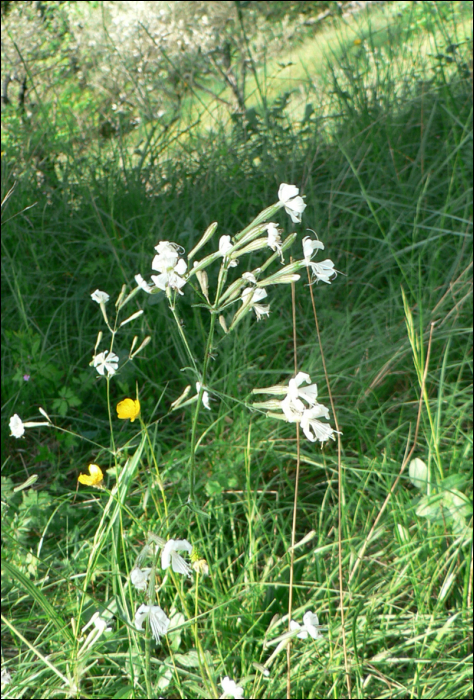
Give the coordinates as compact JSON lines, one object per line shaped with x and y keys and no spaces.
{"x":174,"y":273}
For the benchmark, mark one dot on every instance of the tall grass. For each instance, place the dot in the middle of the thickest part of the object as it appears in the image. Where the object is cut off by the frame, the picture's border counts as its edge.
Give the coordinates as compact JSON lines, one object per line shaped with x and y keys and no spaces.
{"x":388,"y":182}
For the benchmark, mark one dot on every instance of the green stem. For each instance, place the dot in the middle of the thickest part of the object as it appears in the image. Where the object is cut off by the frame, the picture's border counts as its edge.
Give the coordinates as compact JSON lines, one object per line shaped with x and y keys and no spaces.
{"x":157,"y":469}
{"x":112,"y":439}
{"x":183,"y":338}
{"x":207,"y":355}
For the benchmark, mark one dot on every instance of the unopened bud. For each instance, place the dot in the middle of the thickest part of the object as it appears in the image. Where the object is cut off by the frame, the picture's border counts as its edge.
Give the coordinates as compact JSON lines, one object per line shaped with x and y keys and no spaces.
{"x":223,"y":323}
{"x":207,"y":235}
{"x":131,"y":318}
{"x":142,"y":346}
{"x":203,"y":283}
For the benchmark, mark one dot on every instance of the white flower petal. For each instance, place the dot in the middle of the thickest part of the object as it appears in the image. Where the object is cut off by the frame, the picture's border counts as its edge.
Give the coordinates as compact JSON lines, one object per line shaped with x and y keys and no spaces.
{"x":205,"y":396}
{"x":286,"y":192}
{"x":309,"y":246}
{"x":225,"y":245}
{"x":300,"y":378}
{"x":181,"y":267}
{"x":142,"y":284}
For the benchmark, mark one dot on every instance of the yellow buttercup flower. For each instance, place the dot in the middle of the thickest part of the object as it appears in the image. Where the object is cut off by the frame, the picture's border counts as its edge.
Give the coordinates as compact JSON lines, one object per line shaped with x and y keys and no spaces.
{"x":95,"y":479}
{"x":128,"y":408}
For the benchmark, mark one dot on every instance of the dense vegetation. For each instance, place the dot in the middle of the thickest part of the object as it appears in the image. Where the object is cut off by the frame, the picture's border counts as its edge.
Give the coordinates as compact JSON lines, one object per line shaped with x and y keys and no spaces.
{"x":107,"y":150}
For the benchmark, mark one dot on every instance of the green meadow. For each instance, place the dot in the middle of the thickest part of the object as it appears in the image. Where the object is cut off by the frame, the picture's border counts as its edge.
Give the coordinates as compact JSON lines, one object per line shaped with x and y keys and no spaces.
{"x":369,"y":115}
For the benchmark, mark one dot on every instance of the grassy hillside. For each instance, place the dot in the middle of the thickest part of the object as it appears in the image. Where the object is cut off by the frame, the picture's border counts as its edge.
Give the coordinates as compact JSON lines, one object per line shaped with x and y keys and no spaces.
{"x":372,"y":119}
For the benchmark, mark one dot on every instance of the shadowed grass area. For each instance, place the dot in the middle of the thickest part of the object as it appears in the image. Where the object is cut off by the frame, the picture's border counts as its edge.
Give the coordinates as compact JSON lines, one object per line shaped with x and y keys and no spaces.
{"x":388,"y":183}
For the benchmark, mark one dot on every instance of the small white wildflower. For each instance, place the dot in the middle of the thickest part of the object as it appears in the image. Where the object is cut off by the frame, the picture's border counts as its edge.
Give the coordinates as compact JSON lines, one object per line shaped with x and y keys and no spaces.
{"x":249,"y":277}
{"x":324,"y":270}
{"x":159,"y":622}
{"x":106,"y":362}
{"x":6,"y":677}
{"x":274,"y":239}
{"x":100,"y":297}
{"x":294,"y":205}
{"x":225,"y":246}
{"x":309,"y":246}
{"x":256,"y":296}
{"x":17,"y":427}
{"x":310,"y":626}
{"x":172,"y":278}
{"x":167,"y":257}
{"x":308,"y":393}
{"x":231,"y":689}
{"x":205,"y":396}
{"x":309,"y":422}
{"x":170,"y":556}
{"x":139,"y":578}
{"x":300,"y":406}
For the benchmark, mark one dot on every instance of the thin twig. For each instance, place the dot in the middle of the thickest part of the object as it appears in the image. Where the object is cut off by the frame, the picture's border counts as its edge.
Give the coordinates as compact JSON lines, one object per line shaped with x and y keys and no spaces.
{"x":339,"y":504}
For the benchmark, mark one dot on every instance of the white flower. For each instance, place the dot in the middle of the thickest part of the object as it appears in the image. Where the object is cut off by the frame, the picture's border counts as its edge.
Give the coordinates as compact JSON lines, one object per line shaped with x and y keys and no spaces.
{"x":143,"y":285}
{"x":274,"y":239}
{"x":100,"y":626}
{"x":171,"y":278}
{"x":231,"y":688}
{"x":100,"y":297}
{"x":159,"y":622}
{"x":167,"y":257}
{"x":322,"y":431}
{"x":225,"y":246}
{"x":256,"y":295}
{"x":294,"y":205}
{"x":310,"y":626}
{"x":170,"y":556}
{"x":300,"y":406}
{"x":170,"y":267}
{"x":309,"y":246}
{"x":324,"y":270}
{"x":205,"y":396}
{"x":308,"y":393}
{"x":249,"y":277}
{"x":106,"y":361}
{"x":17,"y":427}
{"x":139,"y":578}
{"x":6,"y":677}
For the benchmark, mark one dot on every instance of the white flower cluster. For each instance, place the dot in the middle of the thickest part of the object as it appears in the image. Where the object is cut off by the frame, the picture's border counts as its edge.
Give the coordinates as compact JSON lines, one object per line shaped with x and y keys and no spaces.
{"x":170,"y":556}
{"x":170,"y":266}
{"x":300,"y":406}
